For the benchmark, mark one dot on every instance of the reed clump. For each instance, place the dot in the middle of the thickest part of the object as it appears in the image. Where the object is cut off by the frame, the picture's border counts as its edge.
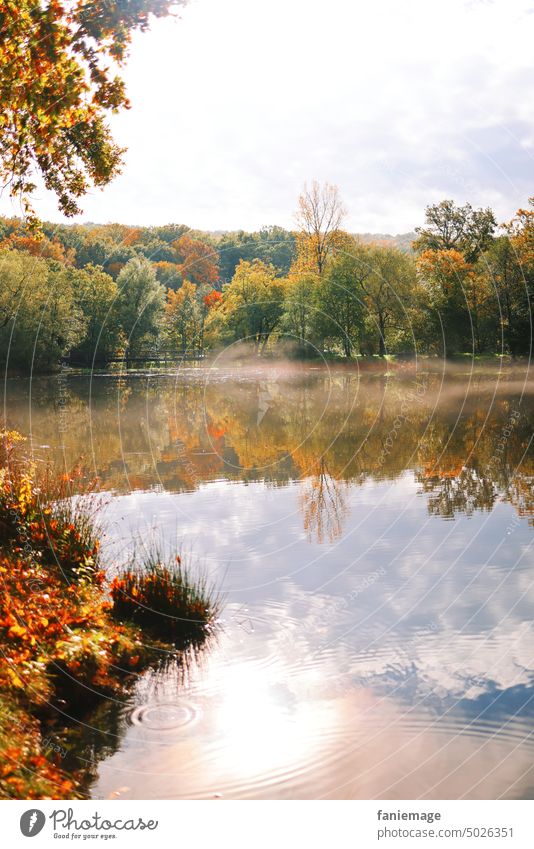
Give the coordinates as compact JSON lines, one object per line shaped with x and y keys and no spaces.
{"x":162,"y":595}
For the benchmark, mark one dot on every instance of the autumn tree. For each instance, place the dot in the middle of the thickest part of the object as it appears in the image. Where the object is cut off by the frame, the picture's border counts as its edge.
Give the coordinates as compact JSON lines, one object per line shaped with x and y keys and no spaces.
{"x":168,"y":274}
{"x":460,"y":228}
{"x":57,"y":90}
{"x":93,"y":247}
{"x":212,"y":299}
{"x":38,"y":245}
{"x":253,"y":303}
{"x":319,"y":217}
{"x":196,"y":261}
{"x":446,"y":277}
{"x":521,"y":232}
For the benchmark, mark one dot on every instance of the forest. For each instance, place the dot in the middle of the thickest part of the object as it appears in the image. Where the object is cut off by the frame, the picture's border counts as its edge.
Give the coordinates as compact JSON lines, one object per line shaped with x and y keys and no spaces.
{"x":84,"y":294}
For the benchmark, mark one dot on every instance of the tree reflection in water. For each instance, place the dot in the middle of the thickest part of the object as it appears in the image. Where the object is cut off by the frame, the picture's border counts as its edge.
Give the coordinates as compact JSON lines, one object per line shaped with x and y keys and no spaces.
{"x":327,"y":430}
{"x":324,"y":505}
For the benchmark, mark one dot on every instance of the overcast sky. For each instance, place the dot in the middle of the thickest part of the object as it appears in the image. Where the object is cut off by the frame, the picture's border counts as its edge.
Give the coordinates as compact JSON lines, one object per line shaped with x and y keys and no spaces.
{"x":400,"y":104}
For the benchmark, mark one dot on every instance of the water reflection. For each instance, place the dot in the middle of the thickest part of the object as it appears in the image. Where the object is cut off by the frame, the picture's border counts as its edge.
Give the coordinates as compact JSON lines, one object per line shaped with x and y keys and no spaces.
{"x":368,"y":648}
{"x":323,"y":505}
{"x":467,"y":441}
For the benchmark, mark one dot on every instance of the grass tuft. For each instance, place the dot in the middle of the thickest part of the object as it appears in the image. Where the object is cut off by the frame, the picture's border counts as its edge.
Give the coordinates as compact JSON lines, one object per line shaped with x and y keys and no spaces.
{"x":160,"y":594}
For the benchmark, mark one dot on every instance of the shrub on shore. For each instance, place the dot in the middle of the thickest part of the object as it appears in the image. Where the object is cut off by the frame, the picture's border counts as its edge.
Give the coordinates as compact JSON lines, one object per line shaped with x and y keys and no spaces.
{"x":48,"y":516}
{"x":26,"y":772}
{"x":63,"y":640}
{"x":160,"y":594}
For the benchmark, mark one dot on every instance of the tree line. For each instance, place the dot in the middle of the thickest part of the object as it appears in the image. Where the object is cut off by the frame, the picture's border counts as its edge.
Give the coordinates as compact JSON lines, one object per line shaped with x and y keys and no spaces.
{"x":90,"y":292}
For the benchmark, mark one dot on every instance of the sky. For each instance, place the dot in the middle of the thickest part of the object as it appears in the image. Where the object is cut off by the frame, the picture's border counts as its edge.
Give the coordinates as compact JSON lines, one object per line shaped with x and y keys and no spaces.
{"x":238,"y":103}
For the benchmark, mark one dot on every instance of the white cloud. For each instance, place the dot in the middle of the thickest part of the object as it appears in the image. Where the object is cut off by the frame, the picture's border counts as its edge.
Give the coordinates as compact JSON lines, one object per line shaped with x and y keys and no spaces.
{"x":238,"y":103}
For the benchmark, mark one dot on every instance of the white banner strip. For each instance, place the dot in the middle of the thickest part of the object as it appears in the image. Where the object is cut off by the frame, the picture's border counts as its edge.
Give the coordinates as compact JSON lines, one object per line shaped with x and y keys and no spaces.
{"x":269,"y":824}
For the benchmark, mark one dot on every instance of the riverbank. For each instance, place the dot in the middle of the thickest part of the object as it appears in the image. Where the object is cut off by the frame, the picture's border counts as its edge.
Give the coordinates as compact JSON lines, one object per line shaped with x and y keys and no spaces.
{"x":68,"y":636}
{"x":220,"y":361}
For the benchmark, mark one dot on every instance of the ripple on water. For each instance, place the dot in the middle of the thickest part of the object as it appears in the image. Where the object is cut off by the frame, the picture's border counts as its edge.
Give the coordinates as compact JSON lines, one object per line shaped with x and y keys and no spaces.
{"x":165,"y":716}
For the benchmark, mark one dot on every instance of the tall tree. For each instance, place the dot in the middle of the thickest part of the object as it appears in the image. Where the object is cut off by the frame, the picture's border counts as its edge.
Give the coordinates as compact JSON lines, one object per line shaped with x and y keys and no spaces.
{"x":57,"y":89}
{"x":95,"y":293}
{"x":447,"y":277}
{"x":197,"y":261}
{"x":508,"y":267}
{"x":300,"y":309}
{"x":183,"y":317}
{"x":387,"y":290}
{"x":460,"y":228}
{"x":340,"y":300}
{"x":253,"y":302}
{"x":140,"y":303}
{"x":40,"y":321}
{"x":319,"y":216}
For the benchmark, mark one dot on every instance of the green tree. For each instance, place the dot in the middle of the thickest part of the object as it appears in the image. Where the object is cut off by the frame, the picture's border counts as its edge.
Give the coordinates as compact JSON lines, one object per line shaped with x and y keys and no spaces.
{"x":387,"y":289}
{"x":140,"y":303}
{"x":253,"y":303}
{"x":300,"y":309}
{"x":95,"y":293}
{"x":340,"y":298}
{"x":184,"y":317}
{"x":460,"y":228}
{"x":40,"y":320}
{"x":276,"y":247}
{"x":513,"y":288}
{"x":272,"y":245}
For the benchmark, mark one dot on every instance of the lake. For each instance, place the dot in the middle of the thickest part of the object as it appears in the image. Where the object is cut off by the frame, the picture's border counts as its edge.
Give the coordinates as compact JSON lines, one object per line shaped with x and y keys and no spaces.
{"x":371,"y":533}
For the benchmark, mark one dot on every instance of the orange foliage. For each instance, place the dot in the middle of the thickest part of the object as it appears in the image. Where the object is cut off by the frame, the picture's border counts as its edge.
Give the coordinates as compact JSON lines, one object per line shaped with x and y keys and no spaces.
{"x":310,"y":248}
{"x":197,"y":261}
{"x":216,"y":431}
{"x":132,"y":236}
{"x":443,"y":264}
{"x":56,"y":631}
{"x":212,"y":299}
{"x":39,"y":245}
{"x":521,"y":231}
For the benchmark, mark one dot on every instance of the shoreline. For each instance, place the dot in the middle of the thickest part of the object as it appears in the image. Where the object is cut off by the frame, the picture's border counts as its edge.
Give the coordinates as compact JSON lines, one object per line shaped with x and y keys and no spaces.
{"x":69,"y":637}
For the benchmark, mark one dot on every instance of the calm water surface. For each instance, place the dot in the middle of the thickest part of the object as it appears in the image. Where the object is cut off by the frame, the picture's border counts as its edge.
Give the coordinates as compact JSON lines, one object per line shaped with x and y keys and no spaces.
{"x":372,"y":536}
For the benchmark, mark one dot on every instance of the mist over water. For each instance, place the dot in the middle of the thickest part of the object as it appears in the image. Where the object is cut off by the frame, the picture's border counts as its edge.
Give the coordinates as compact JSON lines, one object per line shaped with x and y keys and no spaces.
{"x":372,"y":534}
